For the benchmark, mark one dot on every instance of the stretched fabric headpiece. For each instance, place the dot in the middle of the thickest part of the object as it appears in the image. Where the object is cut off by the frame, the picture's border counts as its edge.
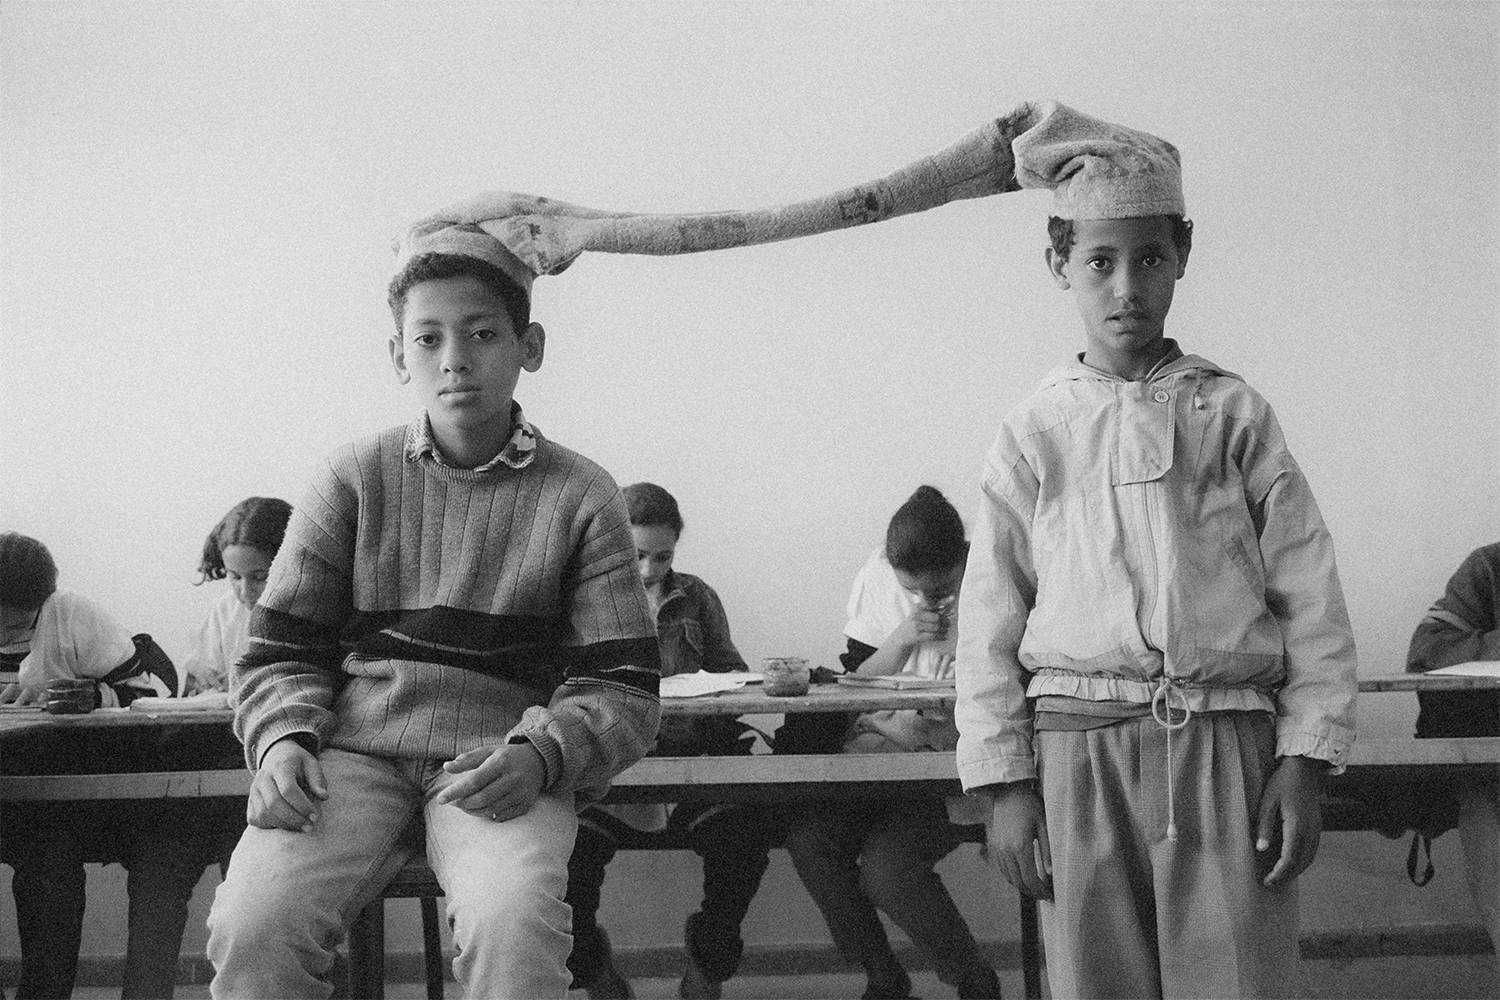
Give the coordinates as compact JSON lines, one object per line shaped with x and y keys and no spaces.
{"x":1090,"y":163}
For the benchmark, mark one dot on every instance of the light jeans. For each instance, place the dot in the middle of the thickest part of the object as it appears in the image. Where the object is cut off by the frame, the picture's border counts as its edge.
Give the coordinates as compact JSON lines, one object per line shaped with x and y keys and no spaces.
{"x":289,"y":896}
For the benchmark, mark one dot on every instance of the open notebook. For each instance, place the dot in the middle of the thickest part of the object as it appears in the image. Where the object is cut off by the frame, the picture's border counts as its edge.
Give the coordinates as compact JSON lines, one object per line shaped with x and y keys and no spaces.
{"x":1478,"y":668}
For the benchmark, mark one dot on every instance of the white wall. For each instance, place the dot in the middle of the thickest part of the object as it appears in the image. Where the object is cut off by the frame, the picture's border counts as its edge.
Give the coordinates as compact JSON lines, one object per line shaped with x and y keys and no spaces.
{"x":197,"y":202}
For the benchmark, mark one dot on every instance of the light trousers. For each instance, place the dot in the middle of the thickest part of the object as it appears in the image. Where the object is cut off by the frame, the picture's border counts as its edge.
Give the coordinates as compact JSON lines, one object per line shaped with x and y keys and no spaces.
{"x":1138,"y":915}
{"x":281,"y":913}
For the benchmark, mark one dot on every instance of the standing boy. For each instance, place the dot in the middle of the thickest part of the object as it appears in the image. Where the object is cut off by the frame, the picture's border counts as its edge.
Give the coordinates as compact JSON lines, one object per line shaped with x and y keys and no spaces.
{"x":1155,"y":664}
{"x":453,"y":632}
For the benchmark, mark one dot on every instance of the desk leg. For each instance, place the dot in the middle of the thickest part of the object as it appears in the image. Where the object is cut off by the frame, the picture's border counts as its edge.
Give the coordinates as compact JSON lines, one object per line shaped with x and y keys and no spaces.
{"x":1031,"y":949}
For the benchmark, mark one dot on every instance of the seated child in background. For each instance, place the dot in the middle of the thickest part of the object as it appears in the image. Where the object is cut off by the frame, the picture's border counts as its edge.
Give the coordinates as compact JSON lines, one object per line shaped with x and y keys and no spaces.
{"x":1464,"y":626}
{"x":453,"y":636}
{"x":240,"y":548}
{"x":865,"y":856}
{"x":48,"y":634}
{"x":733,"y":841}
{"x":1151,"y":626}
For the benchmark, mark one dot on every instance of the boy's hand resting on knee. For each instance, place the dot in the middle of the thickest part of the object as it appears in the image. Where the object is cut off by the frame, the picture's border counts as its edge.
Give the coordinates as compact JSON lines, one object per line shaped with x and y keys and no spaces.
{"x":1016,"y":838}
{"x":287,"y":789}
{"x":501,"y":783}
{"x":1294,"y":793}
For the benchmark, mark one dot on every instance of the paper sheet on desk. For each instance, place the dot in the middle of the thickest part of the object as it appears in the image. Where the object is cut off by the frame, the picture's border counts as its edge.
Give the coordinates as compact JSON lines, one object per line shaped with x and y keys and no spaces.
{"x":208,"y":701}
{"x":1478,"y":668}
{"x":702,"y":682}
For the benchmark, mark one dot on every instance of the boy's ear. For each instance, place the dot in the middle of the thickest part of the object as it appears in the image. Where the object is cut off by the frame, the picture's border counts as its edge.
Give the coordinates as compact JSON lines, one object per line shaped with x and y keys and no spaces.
{"x":1182,"y":262}
{"x":398,"y":359}
{"x":1057,"y":265}
{"x":534,"y":342}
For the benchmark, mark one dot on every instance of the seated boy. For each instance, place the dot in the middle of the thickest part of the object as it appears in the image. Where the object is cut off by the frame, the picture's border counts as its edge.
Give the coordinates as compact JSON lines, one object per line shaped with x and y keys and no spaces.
{"x":1463,"y":626}
{"x":454,"y":633}
{"x":1155,"y":665}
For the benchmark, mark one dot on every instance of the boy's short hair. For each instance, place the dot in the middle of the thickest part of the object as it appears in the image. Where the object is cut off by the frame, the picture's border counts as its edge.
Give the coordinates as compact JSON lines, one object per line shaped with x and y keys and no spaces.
{"x":925,"y":534}
{"x":1060,"y":231}
{"x":28,"y":576}
{"x":259,"y":522}
{"x":652,"y":506}
{"x":436,"y":266}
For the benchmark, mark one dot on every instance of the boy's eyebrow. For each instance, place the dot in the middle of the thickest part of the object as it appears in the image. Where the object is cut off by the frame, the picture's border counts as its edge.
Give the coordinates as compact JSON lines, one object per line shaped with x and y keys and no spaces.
{"x":466,"y":318}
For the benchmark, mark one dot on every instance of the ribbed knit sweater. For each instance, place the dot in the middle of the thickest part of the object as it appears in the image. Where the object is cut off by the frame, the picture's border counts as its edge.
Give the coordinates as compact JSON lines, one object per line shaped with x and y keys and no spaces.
{"x":418,"y":611}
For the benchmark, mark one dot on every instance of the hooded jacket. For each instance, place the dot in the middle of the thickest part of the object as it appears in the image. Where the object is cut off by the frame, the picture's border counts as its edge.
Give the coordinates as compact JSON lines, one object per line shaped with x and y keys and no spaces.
{"x":1144,"y":538}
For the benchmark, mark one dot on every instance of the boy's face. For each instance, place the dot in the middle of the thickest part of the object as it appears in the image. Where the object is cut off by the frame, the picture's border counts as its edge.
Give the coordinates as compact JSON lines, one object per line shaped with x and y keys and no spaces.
{"x":458,"y":346}
{"x":1122,"y":273}
{"x":655,"y":545}
{"x":246,"y":568}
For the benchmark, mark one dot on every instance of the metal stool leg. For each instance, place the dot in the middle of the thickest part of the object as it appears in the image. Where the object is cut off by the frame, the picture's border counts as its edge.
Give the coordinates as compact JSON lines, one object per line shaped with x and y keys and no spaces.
{"x":367,"y":953}
{"x":432,"y":948}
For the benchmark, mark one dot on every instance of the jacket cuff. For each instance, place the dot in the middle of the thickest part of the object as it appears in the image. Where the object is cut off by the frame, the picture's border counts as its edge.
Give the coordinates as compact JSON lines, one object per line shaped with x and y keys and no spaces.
{"x":547,"y":746}
{"x":1330,"y":748}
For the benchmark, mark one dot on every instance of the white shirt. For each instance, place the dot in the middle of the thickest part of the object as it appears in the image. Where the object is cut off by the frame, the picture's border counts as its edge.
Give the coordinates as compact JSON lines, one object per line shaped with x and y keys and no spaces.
{"x":217,"y":643}
{"x":878,"y":604}
{"x":75,"y":637}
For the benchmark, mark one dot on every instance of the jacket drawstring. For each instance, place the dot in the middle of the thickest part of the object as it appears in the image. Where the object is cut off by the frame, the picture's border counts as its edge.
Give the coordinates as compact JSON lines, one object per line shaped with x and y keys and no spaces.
{"x":1161,"y":711}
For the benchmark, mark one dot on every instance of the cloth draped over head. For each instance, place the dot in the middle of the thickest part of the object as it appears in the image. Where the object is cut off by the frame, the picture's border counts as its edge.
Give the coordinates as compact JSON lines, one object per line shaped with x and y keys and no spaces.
{"x":1096,"y":169}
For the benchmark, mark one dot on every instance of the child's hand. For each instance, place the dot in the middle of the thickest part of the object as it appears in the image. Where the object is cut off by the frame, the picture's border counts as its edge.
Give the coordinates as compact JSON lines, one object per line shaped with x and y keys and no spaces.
{"x":1294,"y":793}
{"x":927,"y":625}
{"x":16,"y":694}
{"x":20,"y":695}
{"x":287,"y":789}
{"x":502,"y":782}
{"x":1016,"y":839}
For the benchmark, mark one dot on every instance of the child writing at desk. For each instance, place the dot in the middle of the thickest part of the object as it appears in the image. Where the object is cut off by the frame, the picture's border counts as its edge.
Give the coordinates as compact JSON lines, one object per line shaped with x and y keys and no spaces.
{"x":47,"y":634}
{"x":880,"y":855}
{"x":732,"y":841}
{"x":452,"y":635}
{"x":1155,"y":664}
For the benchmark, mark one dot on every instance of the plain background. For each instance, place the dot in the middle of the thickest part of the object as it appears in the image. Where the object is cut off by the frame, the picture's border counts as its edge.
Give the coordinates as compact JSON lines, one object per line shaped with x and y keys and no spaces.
{"x":198,"y":201}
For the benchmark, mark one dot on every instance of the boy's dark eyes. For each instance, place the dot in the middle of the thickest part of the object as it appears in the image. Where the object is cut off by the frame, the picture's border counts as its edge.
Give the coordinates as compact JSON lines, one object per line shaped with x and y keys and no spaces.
{"x":1098,"y":263}
{"x":483,"y":334}
{"x":425,"y":339}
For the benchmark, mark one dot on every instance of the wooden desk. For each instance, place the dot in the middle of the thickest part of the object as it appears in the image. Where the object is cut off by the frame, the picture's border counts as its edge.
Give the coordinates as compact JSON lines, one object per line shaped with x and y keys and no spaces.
{"x":654,"y":779}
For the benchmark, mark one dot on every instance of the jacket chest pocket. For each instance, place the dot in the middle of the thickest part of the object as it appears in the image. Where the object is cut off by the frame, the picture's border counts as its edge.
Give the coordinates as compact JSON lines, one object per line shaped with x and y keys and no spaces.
{"x":681,"y":645}
{"x":1145,"y":433}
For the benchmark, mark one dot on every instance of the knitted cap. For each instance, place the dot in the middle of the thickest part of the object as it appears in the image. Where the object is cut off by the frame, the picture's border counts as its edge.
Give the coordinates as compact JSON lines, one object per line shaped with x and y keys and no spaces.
{"x":1099,"y":170}
{"x":1095,"y":167}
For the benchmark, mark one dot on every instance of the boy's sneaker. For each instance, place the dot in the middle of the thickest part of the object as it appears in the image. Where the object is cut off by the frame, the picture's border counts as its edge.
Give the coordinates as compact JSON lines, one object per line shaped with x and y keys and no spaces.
{"x":609,"y":984}
{"x":695,"y":984}
{"x":898,"y":990}
{"x":984,"y":985}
